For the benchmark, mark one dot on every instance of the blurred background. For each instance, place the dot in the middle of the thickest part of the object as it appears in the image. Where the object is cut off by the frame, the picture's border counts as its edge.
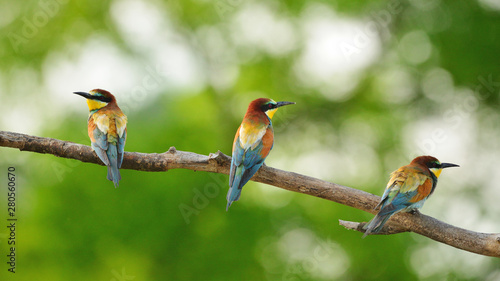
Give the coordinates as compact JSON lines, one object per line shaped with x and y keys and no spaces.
{"x":376,"y":83}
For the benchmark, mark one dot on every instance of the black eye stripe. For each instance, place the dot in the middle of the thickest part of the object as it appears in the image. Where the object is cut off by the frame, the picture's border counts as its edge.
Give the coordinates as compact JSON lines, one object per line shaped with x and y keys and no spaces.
{"x":268,"y":106}
{"x":434,"y":165}
{"x":102,"y":98}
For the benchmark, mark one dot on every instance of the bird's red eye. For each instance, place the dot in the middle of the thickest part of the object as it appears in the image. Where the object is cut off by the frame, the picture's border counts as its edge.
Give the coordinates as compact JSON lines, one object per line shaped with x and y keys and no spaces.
{"x":270,"y":105}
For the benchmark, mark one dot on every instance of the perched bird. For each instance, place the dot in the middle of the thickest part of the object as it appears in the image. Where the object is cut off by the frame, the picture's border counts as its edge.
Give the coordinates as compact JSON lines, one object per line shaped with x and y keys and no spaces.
{"x":107,"y":127}
{"x":252,"y":143}
{"x":407,"y":190}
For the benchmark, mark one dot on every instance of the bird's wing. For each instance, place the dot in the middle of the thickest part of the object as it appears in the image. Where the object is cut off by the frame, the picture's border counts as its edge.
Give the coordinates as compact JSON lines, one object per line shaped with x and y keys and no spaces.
{"x":250,"y":151}
{"x":99,"y":141}
{"x":250,"y":135}
{"x":120,"y":121}
{"x":423,"y":191}
{"x":257,"y":153}
{"x":413,"y":179}
{"x":405,"y":186}
{"x":121,"y":147}
{"x":238,"y":150}
{"x":121,"y":124}
{"x":101,"y":120}
{"x":392,"y":189}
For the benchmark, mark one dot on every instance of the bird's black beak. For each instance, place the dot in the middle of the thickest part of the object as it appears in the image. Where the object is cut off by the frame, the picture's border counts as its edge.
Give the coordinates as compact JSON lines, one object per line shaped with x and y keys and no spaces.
{"x":283,"y":103}
{"x":448,"y":165}
{"x":84,"y":94}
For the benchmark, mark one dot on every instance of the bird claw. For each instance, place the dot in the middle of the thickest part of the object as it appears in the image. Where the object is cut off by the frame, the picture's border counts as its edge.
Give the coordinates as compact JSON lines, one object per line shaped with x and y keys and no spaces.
{"x":414,"y":212}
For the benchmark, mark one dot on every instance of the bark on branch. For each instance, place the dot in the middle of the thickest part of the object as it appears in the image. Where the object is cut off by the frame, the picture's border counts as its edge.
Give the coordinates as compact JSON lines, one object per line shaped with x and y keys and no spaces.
{"x":487,"y":244}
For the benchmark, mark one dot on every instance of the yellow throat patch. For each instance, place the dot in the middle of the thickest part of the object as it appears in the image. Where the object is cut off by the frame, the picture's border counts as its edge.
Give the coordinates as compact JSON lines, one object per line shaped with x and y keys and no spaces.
{"x":270,"y":113}
{"x":436,"y":171}
{"x":95,"y":104}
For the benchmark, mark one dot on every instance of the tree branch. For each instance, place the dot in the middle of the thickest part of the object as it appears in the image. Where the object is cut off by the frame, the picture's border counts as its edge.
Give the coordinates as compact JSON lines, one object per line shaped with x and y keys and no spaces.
{"x":487,"y":244}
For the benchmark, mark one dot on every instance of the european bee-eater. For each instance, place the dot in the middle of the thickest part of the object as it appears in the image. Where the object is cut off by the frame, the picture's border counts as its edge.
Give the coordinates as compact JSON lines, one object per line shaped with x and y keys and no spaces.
{"x":407,"y":190}
{"x":107,"y":127}
{"x":252,"y":143}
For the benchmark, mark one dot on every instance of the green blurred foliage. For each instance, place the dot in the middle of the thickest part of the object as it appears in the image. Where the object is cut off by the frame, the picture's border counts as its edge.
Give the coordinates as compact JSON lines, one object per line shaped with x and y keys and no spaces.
{"x":75,"y":226}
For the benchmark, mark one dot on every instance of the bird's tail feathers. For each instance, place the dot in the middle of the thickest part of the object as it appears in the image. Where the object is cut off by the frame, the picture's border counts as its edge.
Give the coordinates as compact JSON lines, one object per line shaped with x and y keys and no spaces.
{"x":233,"y":194}
{"x":234,"y":191}
{"x":376,"y":224}
{"x":113,"y":171}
